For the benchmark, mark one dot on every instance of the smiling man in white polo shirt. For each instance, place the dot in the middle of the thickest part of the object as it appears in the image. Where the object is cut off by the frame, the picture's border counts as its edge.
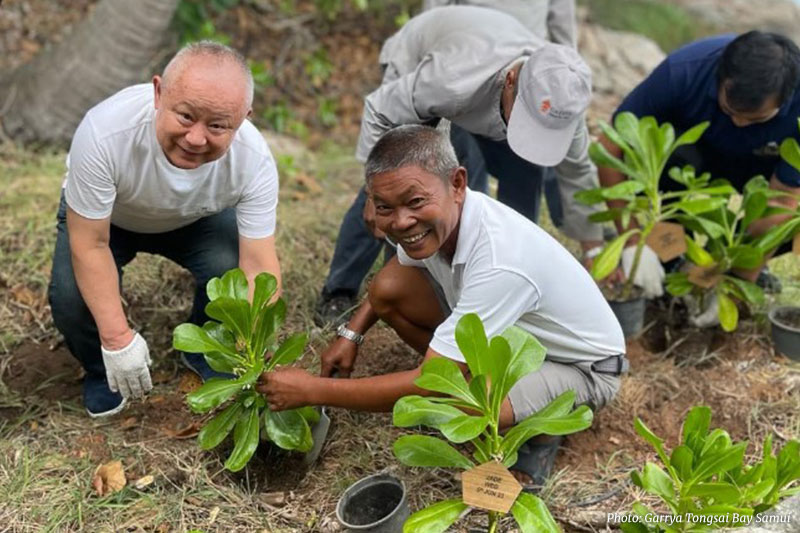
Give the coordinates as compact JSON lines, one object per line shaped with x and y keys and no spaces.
{"x":462,"y":252}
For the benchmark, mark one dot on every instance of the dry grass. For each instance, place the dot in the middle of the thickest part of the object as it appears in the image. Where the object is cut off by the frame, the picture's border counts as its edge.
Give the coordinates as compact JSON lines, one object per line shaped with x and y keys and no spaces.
{"x":49,"y":448}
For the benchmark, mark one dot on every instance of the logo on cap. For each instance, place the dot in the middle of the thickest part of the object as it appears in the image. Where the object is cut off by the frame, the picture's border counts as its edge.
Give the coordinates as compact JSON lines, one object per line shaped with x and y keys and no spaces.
{"x":545,"y":107}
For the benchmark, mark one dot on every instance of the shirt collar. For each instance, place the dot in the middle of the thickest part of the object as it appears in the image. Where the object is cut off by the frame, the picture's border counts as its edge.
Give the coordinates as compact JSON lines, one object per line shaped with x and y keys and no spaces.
{"x":467,"y":227}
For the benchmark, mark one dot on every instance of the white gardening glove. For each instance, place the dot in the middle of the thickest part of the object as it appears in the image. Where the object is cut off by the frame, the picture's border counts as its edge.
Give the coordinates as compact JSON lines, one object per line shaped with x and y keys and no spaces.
{"x":649,"y":275}
{"x":706,"y":317}
{"x":127,"y":369}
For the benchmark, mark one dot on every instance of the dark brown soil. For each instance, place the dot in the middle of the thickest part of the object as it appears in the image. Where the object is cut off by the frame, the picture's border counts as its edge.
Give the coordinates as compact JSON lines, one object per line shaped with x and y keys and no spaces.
{"x":788,"y":317}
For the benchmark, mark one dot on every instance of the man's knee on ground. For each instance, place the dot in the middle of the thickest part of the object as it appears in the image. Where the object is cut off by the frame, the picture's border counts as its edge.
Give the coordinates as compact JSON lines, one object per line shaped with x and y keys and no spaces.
{"x":385,"y":291}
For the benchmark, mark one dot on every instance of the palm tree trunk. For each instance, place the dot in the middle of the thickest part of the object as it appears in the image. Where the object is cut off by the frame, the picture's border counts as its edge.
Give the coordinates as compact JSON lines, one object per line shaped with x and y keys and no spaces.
{"x":118,"y":45}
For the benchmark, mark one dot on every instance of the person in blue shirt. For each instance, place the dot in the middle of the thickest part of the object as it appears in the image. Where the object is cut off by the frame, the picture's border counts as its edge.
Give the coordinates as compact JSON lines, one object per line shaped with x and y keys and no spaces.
{"x":746,"y":87}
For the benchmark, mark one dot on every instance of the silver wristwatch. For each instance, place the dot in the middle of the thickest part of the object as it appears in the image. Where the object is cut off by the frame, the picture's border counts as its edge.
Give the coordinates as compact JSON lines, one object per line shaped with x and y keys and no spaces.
{"x":349,"y":334}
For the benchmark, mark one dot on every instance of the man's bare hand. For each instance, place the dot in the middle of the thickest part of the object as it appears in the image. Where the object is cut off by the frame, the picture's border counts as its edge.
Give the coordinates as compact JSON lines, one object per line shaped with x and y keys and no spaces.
{"x":287,"y":388}
{"x":339,"y":358}
{"x":369,"y":219}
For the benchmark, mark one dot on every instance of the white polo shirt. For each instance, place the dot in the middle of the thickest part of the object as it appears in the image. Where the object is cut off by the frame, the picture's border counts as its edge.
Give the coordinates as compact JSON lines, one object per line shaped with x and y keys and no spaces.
{"x":511,"y":272}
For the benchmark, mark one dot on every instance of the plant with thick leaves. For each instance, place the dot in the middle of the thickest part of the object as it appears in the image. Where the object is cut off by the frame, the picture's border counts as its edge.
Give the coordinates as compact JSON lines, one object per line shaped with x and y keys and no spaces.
{"x":722,"y":243}
{"x":646,"y":147}
{"x":236,"y":342}
{"x":469,"y":411}
{"x":704,"y":481}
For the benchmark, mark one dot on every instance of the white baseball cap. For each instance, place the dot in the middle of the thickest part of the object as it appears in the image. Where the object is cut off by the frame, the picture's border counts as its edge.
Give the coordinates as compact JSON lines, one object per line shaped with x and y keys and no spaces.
{"x":554,"y":89}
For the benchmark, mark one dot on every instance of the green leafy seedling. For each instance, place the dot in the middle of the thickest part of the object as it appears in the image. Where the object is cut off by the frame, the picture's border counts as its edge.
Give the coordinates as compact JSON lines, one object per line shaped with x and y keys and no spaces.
{"x":469,"y":412}
{"x":236,"y":342}
{"x":704,"y":481}
{"x":646,"y":148}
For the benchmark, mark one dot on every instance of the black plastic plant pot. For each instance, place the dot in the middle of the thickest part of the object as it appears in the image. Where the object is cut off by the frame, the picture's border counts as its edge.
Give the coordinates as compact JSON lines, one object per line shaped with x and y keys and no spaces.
{"x":377,"y":504}
{"x":630,"y":314}
{"x":786,"y":330}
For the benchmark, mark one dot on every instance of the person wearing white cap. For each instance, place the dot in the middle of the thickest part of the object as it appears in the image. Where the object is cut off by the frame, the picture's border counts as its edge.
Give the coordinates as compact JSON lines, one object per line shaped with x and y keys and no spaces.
{"x":521,"y":98}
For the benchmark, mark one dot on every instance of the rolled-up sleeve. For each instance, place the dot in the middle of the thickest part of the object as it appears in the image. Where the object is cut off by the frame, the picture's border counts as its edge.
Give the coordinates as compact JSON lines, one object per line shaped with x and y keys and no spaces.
{"x":577,"y":173}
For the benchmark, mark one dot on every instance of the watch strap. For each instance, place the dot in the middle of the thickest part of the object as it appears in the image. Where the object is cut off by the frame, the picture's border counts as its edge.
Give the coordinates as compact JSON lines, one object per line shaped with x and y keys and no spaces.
{"x":349,"y":334}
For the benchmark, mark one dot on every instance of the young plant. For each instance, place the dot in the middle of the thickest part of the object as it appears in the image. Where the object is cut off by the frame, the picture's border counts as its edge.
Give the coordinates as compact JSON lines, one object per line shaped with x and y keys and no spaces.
{"x":705,"y":483}
{"x":236,"y":343}
{"x":495,"y":367}
{"x":729,"y":246}
{"x":646,"y":148}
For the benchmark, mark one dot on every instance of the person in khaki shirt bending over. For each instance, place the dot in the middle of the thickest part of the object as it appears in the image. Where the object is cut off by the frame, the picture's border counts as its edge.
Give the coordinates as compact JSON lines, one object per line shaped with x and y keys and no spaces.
{"x":170,"y":168}
{"x":460,"y":252}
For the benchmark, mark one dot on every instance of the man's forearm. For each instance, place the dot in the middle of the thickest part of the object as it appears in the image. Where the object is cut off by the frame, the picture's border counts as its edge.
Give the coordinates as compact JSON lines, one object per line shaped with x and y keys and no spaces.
{"x":377,"y":393}
{"x":97,"y":278}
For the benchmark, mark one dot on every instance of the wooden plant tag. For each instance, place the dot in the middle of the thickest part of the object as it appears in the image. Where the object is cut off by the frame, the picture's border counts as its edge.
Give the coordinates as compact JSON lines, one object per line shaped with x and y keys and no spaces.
{"x":667,"y":240}
{"x":796,"y":244}
{"x":705,"y":277}
{"x":490,"y":486}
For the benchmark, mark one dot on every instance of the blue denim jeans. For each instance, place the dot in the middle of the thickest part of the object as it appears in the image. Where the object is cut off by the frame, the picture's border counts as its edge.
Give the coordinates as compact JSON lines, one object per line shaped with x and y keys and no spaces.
{"x":207,"y":248}
{"x":519,"y":187}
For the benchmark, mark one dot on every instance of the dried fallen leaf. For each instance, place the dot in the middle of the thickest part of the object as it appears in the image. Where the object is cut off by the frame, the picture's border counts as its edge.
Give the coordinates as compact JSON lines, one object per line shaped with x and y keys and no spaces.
{"x":213,"y":515}
{"x":109,"y":478}
{"x":129,"y":423}
{"x":143,"y":481}
{"x":613,"y":440}
{"x":309,"y":183}
{"x":273,"y":498}
{"x":23,"y":295}
{"x":186,"y":432}
{"x":189,"y":382}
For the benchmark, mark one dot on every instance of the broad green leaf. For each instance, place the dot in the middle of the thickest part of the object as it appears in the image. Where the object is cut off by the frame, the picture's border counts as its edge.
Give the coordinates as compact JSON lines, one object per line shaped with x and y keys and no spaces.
{"x":265,"y":287}
{"x":418,"y":411}
{"x":718,"y":440}
{"x":537,"y":424}
{"x":560,"y":406}
{"x":479,"y":389}
{"x":656,"y":481}
{"x":436,"y":518}
{"x":695,"y":428}
{"x":758,"y":492}
{"x":521,"y":355}
{"x":289,"y":350}
{"x":232,"y":284}
{"x":309,"y":413}
{"x":790,"y":152}
{"x":443,"y":375}
{"x":721,"y":492}
{"x":268,"y":323}
{"x":788,"y":469}
{"x":532,"y":515}
{"x":422,"y":450}
{"x":745,"y":256}
{"x":703,"y":225}
{"x":245,"y":438}
{"x":606,"y":216}
{"x":682,"y":460}
{"x":471,"y":341}
{"x":590,"y":197}
{"x":754,"y":206}
{"x":697,"y":254}
{"x":235,"y":314}
{"x":213,"y":393}
{"x":749,"y":292}
{"x":678,"y":284}
{"x":192,"y":338}
{"x":624,"y":190}
{"x":777,"y":235}
{"x":464,"y":428}
{"x":692,"y":135}
{"x":602,"y":158}
{"x":627,"y":125}
{"x":728,"y":312}
{"x":605,"y":263}
{"x":215,"y":431}
{"x":288,"y":429}
{"x":702,"y":205}
{"x":222,"y":363}
{"x":720,"y":462}
{"x":633,"y":527}
{"x":656,"y":442}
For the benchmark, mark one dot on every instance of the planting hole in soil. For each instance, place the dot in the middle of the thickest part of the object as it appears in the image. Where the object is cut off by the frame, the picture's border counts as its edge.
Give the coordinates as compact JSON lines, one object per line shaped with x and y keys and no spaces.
{"x":372,"y":503}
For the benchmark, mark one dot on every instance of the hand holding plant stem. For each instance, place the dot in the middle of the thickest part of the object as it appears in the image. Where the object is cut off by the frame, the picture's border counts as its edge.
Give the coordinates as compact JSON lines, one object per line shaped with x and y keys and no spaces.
{"x":495,"y":367}
{"x":244,"y":332}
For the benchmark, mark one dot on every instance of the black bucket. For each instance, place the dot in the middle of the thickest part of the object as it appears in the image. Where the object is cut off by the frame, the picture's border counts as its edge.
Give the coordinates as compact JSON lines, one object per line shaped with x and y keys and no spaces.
{"x":376,"y":504}
{"x":785,"y":335}
{"x":630,"y":314}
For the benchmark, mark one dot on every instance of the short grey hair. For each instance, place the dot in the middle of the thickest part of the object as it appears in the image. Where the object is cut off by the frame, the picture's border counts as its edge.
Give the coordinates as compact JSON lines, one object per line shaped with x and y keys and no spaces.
{"x":213,"y":49}
{"x":412,"y":145}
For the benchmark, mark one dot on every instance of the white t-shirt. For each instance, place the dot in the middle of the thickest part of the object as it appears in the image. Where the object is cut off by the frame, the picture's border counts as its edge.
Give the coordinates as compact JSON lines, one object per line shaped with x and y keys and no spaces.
{"x":511,"y":272}
{"x":116,"y":168}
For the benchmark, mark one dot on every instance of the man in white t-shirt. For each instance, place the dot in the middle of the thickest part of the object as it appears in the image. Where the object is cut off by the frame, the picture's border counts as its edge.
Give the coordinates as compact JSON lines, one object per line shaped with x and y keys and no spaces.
{"x":462,"y":252}
{"x":171,"y":168}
